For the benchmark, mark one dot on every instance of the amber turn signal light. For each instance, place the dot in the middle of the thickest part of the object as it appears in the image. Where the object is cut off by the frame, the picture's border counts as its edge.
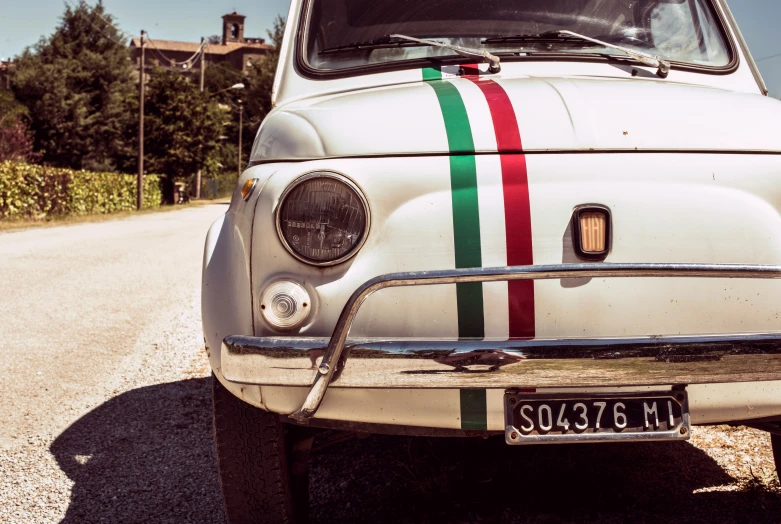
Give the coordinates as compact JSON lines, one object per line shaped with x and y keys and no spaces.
{"x":246,"y":189}
{"x":591,"y":226}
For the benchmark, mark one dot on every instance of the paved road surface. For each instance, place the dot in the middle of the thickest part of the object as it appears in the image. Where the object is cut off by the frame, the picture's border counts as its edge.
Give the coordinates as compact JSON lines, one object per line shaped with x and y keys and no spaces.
{"x":105,"y":410}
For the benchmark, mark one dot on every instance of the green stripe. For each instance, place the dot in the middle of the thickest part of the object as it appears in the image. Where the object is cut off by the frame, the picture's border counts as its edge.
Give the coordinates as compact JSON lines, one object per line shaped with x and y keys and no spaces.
{"x":429,"y":73}
{"x":474,"y":411}
{"x":466,"y":215}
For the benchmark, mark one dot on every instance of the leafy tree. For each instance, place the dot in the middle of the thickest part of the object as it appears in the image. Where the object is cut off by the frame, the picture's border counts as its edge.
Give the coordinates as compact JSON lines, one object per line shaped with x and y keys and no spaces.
{"x":255,"y":98}
{"x":78,"y":86}
{"x":183,"y":128}
{"x":16,"y":141}
{"x":261,"y":78}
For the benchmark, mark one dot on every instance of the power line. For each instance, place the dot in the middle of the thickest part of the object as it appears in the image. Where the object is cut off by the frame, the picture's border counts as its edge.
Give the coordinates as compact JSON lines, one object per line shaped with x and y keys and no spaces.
{"x":109,"y":22}
{"x":102,"y":30}
{"x":228,"y":70}
{"x":767,"y":57}
{"x":173,"y":62}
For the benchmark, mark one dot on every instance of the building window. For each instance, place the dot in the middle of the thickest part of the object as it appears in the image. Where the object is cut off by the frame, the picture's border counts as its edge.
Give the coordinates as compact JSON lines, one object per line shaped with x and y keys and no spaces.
{"x":235,"y":31}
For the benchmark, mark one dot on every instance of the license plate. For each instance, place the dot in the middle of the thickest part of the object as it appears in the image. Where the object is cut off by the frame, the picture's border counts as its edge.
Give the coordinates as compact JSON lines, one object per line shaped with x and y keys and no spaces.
{"x":540,"y":419}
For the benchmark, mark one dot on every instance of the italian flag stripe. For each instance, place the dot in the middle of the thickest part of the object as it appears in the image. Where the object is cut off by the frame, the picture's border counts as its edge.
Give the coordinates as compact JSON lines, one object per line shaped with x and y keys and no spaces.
{"x":474,"y":412}
{"x":517,"y":210}
{"x":466,"y":216}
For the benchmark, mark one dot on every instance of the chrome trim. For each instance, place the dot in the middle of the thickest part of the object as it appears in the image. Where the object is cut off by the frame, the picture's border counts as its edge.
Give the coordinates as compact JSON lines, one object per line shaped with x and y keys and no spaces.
{"x":346,"y":181}
{"x":721,"y":4}
{"x":336,"y":345}
{"x":453,"y":364}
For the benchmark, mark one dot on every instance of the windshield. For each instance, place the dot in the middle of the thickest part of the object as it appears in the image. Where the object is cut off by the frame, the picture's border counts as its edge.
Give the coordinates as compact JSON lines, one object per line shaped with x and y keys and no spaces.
{"x":677,"y":30}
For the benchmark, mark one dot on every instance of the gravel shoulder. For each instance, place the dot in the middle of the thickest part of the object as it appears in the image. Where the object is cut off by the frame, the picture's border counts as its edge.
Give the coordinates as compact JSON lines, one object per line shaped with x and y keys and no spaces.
{"x":106,"y":403}
{"x":106,"y":410}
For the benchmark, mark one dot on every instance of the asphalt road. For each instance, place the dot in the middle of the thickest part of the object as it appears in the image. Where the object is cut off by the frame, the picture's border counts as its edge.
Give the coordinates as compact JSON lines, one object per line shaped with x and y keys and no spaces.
{"x":105,"y":409}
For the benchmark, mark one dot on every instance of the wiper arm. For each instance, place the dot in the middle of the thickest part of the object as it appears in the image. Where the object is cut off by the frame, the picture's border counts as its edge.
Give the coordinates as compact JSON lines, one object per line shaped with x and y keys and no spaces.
{"x":383,"y":41}
{"x":662,"y":66}
{"x":493,"y":60}
{"x":550,"y":37}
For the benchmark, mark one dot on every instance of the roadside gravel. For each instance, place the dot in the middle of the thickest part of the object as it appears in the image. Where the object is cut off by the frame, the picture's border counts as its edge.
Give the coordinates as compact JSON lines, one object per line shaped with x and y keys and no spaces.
{"x":106,"y":400}
{"x":143,"y":454}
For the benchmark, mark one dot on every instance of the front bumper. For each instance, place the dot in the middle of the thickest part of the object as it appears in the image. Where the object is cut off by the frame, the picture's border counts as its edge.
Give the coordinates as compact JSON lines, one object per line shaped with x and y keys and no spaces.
{"x":426,"y":364}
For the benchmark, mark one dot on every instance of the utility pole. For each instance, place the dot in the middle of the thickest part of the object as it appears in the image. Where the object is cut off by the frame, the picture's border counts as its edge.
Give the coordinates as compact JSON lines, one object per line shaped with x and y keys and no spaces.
{"x":241,"y":128}
{"x":141,"y":87}
{"x":203,"y":70}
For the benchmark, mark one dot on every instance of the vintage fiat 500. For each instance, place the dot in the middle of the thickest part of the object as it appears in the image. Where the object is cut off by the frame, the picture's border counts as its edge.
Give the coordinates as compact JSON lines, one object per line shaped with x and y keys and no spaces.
{"x":552,"y":220}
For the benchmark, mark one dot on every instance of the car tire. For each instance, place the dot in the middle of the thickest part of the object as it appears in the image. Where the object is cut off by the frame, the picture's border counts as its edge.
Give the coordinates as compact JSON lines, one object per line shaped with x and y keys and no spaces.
{"x":776,"y":443}
{"x":261,"y":474}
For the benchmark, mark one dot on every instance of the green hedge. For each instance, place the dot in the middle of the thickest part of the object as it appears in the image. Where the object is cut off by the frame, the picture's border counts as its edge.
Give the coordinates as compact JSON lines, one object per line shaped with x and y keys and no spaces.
{"x":30,"y":191}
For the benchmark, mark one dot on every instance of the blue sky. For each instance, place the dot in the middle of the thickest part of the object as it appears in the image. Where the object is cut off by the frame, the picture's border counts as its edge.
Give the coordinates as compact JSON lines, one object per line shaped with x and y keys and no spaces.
{"x":23,"y":22}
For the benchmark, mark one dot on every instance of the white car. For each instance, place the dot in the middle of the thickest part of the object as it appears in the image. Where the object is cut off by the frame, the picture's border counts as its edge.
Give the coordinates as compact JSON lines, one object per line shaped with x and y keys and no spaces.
{"x":552,"y":220}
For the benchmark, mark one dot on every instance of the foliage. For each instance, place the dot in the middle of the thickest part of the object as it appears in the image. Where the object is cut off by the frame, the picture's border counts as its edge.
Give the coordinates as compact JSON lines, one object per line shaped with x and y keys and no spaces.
{"x":183,"y":128}
{"x":261,"y":83}
{"x":16,"y":143}
{"x":16,"y":140}
{"x":78,"y":86}
{"x":218,"y":186}
{"x":255,"y":98}
{"x":262,"y":76}
{"x":11,"y":110}
{"x":32,"y":191}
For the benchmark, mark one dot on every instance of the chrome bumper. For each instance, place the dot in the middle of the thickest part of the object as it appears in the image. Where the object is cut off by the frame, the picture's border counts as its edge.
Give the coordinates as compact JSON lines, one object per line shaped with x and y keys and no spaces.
{"x":319,"y":362}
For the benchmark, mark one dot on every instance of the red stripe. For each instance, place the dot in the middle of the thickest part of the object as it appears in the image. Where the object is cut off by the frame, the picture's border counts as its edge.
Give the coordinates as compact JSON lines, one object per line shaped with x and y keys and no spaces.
{"x":517,"y":210}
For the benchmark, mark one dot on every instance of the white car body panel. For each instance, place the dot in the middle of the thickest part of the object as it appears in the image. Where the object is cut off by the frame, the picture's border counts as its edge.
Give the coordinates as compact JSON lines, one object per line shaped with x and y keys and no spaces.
{"x":689,"y":167}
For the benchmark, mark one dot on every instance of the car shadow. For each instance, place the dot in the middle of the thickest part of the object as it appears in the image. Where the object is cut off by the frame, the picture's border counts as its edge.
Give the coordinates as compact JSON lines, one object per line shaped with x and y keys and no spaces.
{"x":144,"y":456}
{"x":147,"y":456}
{"x":402,"y":479}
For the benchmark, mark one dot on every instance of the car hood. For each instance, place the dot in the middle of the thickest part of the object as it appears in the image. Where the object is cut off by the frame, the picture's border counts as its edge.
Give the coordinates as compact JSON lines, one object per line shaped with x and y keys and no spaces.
{"x":552,"y":114}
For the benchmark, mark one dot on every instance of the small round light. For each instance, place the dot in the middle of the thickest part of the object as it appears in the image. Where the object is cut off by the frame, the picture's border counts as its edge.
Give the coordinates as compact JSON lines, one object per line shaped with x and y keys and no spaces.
{"x":285,"y":305}
{"x":323,"y":218}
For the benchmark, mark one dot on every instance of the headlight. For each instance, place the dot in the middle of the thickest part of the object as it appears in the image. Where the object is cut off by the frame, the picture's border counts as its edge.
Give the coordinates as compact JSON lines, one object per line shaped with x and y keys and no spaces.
{"x":323,"y":218}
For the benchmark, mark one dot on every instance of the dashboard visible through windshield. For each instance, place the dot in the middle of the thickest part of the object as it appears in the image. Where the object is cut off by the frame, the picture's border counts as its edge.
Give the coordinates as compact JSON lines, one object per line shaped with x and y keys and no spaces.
{"x":349,"y":34}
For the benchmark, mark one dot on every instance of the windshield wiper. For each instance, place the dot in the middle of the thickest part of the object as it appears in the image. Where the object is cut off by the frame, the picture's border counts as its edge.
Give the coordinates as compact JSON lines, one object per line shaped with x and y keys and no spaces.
{"x":383,"y":41}
{"x":662,"y":66}
{"x":388,"y":41}
{"x":550,"y":37}
{"x":468,"y":52}
{"x":565,"y":36}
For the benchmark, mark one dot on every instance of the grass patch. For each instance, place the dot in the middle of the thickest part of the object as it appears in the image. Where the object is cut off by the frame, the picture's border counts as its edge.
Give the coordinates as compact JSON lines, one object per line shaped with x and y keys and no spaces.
{"x":9,"y":225}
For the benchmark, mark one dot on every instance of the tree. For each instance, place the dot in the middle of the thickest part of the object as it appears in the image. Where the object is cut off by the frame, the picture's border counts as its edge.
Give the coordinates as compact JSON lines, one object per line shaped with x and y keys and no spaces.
{"x":256,"y":97}
{"x":78,"y":87}
{"x":16,"y":141}
{"x":183,"y":128}
{"x":261,"y":77}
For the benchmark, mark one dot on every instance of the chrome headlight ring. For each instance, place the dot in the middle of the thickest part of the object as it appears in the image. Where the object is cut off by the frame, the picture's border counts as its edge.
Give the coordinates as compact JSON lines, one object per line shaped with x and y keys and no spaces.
{"x":308,"y":177}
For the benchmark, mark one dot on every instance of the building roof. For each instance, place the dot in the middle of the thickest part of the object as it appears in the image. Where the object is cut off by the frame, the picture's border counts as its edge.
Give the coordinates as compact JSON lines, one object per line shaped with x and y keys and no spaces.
{"x":190,"y":47}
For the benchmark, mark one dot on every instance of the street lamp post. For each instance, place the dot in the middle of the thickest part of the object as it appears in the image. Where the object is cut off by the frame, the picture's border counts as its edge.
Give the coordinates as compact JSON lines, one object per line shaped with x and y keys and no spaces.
{"x":140,"y":177}
{"x":203,"y":72}
{"x":241,"y":129}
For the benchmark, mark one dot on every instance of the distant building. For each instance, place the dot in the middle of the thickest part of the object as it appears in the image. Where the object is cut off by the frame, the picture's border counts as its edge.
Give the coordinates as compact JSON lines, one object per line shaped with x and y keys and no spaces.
{"x":234,"y":49}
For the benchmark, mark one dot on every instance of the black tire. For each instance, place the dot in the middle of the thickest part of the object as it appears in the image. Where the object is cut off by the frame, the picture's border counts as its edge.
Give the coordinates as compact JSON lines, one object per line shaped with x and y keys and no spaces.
{"x":262,"y":478}
{"x":776,"y":442}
